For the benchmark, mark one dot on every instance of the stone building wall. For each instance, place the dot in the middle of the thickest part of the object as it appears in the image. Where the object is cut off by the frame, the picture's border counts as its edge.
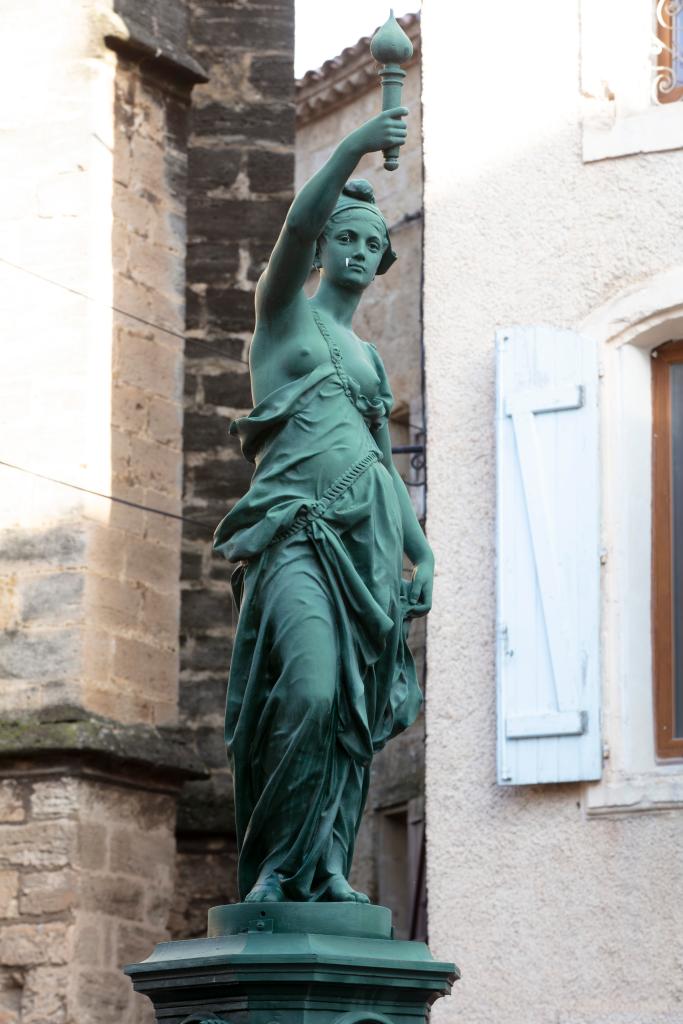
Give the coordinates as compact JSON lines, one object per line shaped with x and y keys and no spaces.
{"x":92,"y":258}
{"x":331,"y":101}
{"x":137,"y":650}
{"x":48,"y":424}
{"x":93,"y":387}
{"x":86,"y":882}
{"x":241,"y":171}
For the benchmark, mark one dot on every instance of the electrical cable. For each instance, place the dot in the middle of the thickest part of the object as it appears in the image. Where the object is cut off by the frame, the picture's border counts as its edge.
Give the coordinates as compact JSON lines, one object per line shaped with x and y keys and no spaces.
{"x":122,"y":312}
{"x":126,"y":501}
{"x":108,"y":497}
{"x":398,"y":449}
{"x":140,"y":319}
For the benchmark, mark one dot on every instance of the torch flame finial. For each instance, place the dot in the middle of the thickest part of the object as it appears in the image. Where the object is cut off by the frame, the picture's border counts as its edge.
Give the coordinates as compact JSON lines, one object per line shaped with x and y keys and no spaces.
{"x":390,"y":44}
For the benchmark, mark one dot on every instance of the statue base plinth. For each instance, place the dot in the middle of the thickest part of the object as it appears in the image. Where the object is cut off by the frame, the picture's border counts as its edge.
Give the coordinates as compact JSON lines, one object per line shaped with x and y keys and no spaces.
{"x":293,"y":963}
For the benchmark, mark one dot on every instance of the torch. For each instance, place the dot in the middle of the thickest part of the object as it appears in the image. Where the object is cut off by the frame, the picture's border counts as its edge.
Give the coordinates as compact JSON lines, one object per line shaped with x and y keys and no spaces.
{"x":391,"y":47}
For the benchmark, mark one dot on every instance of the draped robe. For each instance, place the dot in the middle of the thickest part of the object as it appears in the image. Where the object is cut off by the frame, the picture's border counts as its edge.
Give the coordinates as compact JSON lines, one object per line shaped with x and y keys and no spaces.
{"x":321,"y":675}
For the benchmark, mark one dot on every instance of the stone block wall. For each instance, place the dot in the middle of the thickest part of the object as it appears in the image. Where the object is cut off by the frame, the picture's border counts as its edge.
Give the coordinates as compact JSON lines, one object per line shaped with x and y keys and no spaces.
{"x":55,"y":248}
{"x":42,"y":580}
{"x":93,"y":270}
{"x":86,"y":880}
{"x":240,"y":183}
{"x":135,"y":602}
{"x":93,"y":380}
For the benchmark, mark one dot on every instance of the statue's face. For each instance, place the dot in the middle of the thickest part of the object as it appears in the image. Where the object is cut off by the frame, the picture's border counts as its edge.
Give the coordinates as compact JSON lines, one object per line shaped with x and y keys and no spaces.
{"x":352,"y":248}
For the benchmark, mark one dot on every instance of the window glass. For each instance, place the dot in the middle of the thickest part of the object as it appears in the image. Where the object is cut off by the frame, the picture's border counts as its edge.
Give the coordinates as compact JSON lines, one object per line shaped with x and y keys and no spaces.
{"x":667,"y":547}
{"x":678,"y":46}
{"x":676,"y":398}
{"x":668,"y":50}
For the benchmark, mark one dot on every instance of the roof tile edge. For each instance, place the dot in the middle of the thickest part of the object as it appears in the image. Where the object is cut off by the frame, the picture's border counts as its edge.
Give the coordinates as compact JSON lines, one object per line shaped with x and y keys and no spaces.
{"x":352,"y":72}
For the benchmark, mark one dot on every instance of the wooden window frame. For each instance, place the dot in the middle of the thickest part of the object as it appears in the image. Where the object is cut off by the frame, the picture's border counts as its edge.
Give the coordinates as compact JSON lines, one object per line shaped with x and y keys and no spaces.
{"x":665,"y":34}
{"x":663,"y":653}
{"x":401,"y":870}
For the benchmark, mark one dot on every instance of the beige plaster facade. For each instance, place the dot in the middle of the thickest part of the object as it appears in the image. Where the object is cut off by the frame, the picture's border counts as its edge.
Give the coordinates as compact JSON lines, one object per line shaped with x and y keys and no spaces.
{"x":559,"y":902}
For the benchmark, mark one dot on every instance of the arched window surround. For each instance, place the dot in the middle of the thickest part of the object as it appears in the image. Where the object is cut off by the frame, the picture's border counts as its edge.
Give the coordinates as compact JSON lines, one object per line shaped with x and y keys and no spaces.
{"x":627,"y":329}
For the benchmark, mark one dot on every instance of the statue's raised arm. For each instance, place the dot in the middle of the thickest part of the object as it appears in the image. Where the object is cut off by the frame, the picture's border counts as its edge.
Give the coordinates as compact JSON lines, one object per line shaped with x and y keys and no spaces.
{"x":286,"y":342}
{"x":290,"y":262}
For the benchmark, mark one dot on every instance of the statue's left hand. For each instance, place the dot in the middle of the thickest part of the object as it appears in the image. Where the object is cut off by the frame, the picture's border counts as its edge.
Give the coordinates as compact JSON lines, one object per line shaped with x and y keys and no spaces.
{"x":421,"y":584}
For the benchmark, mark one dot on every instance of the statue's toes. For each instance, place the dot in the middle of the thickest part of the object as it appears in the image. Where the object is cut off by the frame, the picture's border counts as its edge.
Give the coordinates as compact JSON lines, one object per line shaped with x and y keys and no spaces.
{"x":263,"y":896}
{"x":265,"y":893}
{"x":339,"y":891}
{"x":353,"y":896}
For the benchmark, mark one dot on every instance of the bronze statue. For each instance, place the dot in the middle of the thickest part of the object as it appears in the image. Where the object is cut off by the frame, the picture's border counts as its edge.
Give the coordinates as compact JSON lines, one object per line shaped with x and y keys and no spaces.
{"x":321,"y":675}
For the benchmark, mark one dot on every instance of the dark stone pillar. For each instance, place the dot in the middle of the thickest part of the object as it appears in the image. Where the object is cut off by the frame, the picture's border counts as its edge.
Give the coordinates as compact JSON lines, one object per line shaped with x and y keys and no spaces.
{"x":240,"y":184}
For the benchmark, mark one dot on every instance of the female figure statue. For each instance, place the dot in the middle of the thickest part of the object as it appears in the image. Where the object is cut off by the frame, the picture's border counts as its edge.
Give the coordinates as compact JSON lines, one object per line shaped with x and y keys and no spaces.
{"x":321,"y":676}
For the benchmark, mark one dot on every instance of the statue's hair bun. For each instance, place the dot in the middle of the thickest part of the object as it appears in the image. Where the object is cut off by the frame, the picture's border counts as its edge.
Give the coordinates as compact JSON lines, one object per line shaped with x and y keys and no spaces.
{"x":359,"y":188}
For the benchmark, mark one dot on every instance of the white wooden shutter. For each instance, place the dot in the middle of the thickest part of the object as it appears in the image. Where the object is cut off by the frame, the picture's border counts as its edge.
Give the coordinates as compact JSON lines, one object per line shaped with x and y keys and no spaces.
{"x":548,"y":564}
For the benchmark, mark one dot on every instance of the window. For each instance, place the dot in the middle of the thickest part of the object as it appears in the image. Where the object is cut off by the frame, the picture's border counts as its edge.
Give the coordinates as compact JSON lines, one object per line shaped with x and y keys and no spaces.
{"x":669,"y":51}
{"x":667,"y":547}
{"x":630,"y":79}
{"x":401,"y":868}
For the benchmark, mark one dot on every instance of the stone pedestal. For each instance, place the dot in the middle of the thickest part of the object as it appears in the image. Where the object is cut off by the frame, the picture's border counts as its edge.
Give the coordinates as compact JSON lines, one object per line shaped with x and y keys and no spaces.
{"x":291,"y":963}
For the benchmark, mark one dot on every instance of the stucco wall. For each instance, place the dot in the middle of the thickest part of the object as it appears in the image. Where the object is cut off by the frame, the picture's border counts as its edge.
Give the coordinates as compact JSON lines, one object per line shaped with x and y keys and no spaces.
{"x":553,"y":914}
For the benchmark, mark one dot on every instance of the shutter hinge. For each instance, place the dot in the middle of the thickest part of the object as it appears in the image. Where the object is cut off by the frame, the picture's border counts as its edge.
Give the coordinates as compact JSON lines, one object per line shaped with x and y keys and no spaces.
{"x":505,"y":636}
{"x":603,"y":556}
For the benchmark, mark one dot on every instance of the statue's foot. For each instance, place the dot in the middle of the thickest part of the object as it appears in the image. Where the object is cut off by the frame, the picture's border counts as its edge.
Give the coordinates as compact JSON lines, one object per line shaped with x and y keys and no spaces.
{"x":268,"y":891}
{"x":339,"y":891}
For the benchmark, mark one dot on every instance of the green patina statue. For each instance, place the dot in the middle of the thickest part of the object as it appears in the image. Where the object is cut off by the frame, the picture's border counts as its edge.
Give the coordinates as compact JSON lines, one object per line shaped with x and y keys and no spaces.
{"x":321,"y":675}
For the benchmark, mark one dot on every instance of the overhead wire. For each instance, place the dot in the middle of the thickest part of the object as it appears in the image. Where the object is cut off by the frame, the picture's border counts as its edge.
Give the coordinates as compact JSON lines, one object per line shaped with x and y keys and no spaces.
{"x":123,"y":312}
{"x":140,"y":319}
{"x":397,"y":449}
{"x":108,"y":497}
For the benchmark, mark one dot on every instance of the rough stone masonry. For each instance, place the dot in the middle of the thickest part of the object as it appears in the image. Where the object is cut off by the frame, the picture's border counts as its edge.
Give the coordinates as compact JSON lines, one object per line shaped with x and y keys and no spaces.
{"x":93,"y":251}
{"x":240,"y":184}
